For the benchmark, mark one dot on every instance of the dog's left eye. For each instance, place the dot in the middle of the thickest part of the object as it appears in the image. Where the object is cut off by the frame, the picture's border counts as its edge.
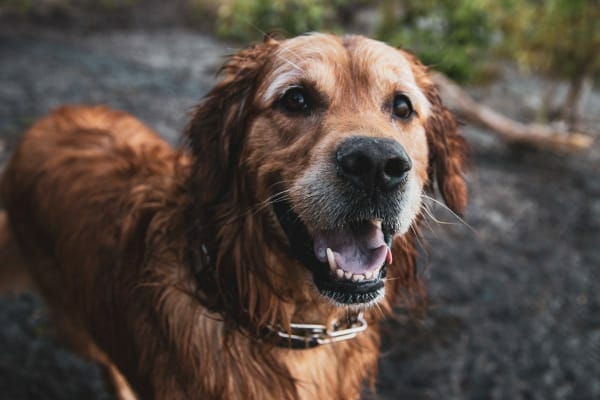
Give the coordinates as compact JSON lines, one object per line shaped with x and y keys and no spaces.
{"x":295,"y":100}
{"x":402,"y":107}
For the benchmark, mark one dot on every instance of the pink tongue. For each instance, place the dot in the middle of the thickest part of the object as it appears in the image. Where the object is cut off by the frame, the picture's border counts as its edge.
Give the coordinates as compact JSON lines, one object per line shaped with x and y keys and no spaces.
{"x":357,"y":249}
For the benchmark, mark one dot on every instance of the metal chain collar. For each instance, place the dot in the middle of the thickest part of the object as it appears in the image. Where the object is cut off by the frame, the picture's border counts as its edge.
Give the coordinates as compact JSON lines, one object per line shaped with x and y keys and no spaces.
{"x":303,"y":336}
{"x":306,"y":336}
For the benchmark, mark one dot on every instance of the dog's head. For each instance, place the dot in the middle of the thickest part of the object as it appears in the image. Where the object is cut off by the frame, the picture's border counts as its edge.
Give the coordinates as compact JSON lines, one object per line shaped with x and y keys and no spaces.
{"x":319,"y":148}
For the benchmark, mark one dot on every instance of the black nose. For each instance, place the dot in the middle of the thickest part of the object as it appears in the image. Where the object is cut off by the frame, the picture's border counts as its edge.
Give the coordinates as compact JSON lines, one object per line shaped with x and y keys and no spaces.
{"x":373,"y":163}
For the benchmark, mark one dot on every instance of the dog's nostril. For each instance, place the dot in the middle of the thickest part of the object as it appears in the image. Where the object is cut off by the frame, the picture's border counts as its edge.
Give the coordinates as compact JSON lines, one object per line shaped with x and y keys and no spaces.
{"x":397,"y":167}
{"x":356,"y":164}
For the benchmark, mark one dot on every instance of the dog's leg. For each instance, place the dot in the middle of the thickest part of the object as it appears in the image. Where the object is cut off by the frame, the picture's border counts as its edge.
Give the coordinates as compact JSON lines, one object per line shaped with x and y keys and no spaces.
{"x":14,"y":275}
{"x":121,"y":388}
{"x":81,"y":341}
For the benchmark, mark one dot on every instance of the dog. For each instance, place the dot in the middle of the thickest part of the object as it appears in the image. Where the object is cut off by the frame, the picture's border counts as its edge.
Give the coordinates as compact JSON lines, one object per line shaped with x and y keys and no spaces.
{"x":256,"y":261}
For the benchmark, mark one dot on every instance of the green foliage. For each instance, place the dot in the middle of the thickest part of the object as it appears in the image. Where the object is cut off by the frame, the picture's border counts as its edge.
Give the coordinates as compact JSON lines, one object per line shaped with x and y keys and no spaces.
{"x":452,"y":35}
{"x":249,"y":19}
{"x":556,"y":37}
{"x":21,"y":6}
{"x":462,"y":37}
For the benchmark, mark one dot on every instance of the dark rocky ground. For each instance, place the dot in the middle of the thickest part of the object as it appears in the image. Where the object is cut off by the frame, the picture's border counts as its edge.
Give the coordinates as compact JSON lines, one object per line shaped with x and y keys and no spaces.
{"x":514,"y":298}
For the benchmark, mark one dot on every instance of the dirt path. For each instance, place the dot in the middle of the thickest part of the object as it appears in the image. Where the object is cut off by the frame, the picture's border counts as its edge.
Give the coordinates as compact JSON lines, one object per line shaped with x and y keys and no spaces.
{"x":515,"y":298}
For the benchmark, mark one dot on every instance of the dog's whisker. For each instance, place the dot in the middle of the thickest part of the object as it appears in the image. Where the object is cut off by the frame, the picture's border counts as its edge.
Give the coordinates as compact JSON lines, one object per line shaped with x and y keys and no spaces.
{"x":417,"y":236}
{"x":287,"y":61}
{"x":276,"y":197}
{"x":428,"y":217}
{"x":425,"y":207}
{"x":458,"y":217}
{"x":378,"y":308}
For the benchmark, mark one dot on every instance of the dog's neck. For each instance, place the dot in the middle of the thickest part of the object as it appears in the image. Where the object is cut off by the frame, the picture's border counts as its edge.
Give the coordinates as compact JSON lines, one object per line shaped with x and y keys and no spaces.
{"x":307,"y":323}
{"x":253,"y":283}
{"x":308,"y":313}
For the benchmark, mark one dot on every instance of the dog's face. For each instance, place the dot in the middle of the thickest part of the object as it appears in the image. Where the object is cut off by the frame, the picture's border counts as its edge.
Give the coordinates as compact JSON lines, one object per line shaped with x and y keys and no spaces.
{"x":341,"y":136}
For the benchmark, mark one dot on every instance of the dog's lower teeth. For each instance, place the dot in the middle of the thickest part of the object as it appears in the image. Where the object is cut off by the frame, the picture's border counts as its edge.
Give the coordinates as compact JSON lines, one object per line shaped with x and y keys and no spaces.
{"x":341,"y":274}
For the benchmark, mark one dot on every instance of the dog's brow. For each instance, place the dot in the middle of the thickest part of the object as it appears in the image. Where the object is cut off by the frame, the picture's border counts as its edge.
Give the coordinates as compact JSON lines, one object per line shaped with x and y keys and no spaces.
{"x":306,"y":67}
{"x":288,"y":61}
{"x":391,"y":68}
{"x":280,"y":82}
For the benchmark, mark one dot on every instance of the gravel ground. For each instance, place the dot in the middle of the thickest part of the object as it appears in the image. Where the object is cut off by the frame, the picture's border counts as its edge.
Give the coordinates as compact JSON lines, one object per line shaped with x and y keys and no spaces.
{"x":514,"y":296}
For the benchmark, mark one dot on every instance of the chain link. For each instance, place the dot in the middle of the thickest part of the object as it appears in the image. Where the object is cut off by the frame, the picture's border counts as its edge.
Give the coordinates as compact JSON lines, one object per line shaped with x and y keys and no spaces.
{"x":317,"y":334}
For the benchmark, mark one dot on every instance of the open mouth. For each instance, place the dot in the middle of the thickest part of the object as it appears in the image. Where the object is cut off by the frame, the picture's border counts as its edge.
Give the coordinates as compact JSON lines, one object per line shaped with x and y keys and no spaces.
{"x":348,"y":263}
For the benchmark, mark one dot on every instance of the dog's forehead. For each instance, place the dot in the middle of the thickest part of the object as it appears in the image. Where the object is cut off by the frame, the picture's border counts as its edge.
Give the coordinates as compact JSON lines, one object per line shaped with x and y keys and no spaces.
{"x":379,"y":61}
{"x":316,"y":58}
{"x":328,"y":61}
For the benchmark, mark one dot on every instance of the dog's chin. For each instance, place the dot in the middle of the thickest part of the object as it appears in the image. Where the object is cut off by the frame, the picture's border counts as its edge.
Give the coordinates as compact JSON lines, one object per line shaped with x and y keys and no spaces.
{"x":348,"y":264}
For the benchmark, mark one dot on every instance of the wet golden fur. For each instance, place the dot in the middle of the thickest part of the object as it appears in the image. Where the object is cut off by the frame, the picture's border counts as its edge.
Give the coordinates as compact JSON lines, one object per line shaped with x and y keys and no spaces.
{"x":111,"y":222}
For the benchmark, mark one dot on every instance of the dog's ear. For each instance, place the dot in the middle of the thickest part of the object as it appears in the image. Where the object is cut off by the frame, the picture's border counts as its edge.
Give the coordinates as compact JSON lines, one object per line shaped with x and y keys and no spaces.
{"x":216,"y":132}
{"x":447,"y":153}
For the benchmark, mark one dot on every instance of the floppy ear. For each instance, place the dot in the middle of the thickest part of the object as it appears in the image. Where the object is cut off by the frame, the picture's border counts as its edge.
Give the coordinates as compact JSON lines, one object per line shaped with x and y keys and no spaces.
{"x":447,"y":153}
{"x":216,"y":132}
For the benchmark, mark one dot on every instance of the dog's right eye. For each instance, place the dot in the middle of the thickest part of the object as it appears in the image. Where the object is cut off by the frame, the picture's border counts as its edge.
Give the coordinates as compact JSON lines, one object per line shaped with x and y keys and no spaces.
{"x":402,"y":107}
{"x":295,"y":100}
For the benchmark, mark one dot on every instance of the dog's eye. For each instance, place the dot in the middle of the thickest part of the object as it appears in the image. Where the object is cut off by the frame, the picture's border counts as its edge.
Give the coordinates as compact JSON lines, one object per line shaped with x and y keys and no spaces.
{"x":402,"y":107}
{"x":295,"y":100}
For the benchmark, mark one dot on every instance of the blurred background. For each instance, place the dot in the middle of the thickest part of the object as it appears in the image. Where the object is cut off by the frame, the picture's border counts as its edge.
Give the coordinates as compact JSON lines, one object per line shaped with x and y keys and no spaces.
{"x":513,"y":290}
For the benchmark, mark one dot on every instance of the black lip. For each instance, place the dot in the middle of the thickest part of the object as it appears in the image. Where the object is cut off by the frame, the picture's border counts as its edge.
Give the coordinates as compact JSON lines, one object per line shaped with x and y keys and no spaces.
{"x":301,"y":245}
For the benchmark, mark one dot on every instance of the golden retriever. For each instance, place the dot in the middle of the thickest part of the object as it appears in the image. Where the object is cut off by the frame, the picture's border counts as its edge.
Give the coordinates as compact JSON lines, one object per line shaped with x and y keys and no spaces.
{"x":255,"y":262}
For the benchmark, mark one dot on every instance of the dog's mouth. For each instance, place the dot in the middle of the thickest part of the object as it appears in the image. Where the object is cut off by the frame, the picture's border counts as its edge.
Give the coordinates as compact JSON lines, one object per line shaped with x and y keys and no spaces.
{"x":348,"y":263}
{"x":354,"y":253}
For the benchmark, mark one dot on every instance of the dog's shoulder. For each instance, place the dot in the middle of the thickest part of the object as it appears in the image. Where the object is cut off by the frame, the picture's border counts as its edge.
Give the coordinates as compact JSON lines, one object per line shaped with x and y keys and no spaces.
{"x":92,"y":139}
{"x":82,"y":165}
{"x":83,"y":126}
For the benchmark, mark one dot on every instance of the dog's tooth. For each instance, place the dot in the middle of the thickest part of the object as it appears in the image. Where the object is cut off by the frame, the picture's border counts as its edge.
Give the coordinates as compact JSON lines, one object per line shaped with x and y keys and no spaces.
{"x":347,"y":275}
{"x":331,"y":259}
{"x":339,"y":273}
{"x":369,"y":275}
{"x":388,"y":257}
{"x":358,"y":277}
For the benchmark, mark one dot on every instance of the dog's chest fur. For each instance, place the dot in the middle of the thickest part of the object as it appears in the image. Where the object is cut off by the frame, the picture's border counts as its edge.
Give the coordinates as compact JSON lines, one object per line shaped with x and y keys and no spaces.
{"x":243,"y":368}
